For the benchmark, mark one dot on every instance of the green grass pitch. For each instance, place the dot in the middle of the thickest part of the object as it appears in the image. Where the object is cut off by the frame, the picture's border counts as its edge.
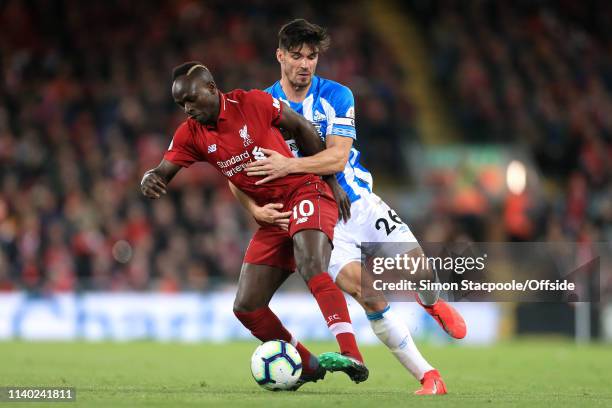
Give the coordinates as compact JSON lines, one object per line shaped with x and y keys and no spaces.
{"x":536,"y":373}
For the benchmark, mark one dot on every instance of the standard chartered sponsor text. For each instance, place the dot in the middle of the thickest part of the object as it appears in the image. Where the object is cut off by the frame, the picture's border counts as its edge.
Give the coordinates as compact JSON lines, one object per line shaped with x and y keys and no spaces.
{"x":235,"y":159}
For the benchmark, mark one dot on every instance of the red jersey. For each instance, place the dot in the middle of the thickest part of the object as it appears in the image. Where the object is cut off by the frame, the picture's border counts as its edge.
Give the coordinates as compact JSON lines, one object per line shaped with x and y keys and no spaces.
{"x":246,"y":124}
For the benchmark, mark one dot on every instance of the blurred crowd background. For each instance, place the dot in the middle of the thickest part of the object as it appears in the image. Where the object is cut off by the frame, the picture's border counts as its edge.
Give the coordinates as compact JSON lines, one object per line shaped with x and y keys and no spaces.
{"x":85,"y":109}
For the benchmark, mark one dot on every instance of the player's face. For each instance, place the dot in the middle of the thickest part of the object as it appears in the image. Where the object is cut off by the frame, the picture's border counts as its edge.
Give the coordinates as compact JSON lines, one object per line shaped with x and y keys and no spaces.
{"x":298,"y":65}
{"x":198,"y":98}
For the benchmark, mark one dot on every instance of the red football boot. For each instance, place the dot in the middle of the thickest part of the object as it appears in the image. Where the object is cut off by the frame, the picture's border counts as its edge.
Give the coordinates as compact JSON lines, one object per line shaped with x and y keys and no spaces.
{"x":447,"y":317}
{"x":432,"y":384}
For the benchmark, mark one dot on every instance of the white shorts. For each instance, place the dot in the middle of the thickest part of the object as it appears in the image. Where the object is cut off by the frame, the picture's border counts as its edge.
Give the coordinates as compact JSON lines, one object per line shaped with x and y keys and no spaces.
{"x":372,"y":220}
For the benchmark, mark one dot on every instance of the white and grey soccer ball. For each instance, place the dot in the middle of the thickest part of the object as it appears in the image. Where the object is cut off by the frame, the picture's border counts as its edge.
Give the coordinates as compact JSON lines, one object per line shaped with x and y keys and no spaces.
{"x":276,"y":365}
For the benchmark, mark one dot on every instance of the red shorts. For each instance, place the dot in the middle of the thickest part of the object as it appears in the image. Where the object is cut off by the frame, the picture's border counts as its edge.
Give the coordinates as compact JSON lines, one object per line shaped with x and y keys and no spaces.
{"x":313,"y":207}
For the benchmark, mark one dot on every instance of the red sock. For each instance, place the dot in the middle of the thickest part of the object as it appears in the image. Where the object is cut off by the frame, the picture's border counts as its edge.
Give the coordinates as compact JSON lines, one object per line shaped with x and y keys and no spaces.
{"x":265,"y":325}
{"x":333,"y":306}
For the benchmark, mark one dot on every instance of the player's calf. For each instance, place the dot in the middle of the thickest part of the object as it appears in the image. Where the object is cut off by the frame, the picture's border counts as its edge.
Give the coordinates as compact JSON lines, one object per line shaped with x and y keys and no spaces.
{"x":312,"y":250}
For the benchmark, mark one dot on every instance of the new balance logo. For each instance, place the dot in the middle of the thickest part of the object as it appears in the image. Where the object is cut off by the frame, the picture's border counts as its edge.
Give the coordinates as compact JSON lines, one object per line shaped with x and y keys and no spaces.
{"x":212,"y":148}
{"x":301,"y":220}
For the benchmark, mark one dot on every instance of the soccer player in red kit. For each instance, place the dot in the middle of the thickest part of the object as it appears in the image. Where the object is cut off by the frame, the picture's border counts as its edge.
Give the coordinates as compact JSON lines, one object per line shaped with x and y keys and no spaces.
{"x":228,"y":131}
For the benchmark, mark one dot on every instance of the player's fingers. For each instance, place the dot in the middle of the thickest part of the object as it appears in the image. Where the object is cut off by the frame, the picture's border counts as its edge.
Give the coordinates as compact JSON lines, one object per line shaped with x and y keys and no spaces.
{"x":252,"y":169}
{"x":256,"y":164}
{"x":347,"y":210}
{"x":257,"y":173}
{"x":282,"y":215}
{"x":152,"y":180}
{"x":157,"y":188}
{"x":155,"y":179}
{"x":265,"y":180}
{"x":268,"y":151}
{"x":342,"y":211}
{"x":274,"y":206}
{"x":149,"y":193}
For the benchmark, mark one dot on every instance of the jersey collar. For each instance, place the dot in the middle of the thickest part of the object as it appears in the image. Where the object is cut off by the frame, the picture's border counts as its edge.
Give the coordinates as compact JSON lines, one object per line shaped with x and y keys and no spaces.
{"x":222,"y":111}
{"x":313,"y":86}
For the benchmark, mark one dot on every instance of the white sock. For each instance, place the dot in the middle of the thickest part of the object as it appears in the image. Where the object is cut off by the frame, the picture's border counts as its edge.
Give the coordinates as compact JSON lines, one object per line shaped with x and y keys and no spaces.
{"x":394,"y":333}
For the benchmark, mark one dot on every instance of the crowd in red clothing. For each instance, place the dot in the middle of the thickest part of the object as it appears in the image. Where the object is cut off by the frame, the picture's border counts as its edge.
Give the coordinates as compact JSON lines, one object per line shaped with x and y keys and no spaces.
{"x":85,"y":109}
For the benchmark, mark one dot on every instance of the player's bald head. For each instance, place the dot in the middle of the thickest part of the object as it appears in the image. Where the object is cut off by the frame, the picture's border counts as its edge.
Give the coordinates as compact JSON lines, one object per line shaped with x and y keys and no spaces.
{"x":192,"y":69}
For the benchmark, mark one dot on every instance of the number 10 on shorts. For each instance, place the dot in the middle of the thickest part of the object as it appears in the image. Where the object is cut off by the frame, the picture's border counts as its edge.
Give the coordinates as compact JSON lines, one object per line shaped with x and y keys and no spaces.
{"x":302,"y":211}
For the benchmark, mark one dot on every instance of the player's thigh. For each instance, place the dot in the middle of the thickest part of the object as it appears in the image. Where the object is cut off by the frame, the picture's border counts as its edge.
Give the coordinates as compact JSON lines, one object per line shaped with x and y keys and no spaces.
{"x":359,"y":286}
{"x":347,"y":244}
{"x":312,"y":250}
{"x":383,"y":225}
{"x":388,"y":228}
{"x":256,"y":285}
{"x":267,"y":263}
{"x":311,"y":226}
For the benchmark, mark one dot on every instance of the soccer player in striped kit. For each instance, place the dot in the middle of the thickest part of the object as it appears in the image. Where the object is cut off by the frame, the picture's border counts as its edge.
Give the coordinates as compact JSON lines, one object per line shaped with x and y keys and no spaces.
{"x":330,"y":107}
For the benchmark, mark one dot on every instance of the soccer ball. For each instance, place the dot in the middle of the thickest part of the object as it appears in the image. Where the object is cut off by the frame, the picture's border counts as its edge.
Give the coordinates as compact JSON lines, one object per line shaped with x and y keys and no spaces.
{"x":276,"y":365}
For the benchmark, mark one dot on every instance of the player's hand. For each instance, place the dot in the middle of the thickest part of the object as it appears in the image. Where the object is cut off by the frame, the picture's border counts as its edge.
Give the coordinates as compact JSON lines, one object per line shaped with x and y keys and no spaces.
{"x":152,"y":185}
{"x":344,"y":204}
{"x":270,"y":214}
{"x":274,"y":166}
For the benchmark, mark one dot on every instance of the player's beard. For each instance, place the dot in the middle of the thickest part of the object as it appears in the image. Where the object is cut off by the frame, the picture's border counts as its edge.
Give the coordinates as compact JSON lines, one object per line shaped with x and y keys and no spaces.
{"x":301,"y":84}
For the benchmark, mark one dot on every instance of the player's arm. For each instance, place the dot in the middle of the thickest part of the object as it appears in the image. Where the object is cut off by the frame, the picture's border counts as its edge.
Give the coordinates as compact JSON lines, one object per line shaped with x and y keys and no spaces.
{"x":155,"y":181}
{"x":180,"y":153}
{"x":320,"y":159}
{"x":308,"y":141}
{"x":269,"y":214}
{"x":331,"y":160}
{"x":310,"y":144}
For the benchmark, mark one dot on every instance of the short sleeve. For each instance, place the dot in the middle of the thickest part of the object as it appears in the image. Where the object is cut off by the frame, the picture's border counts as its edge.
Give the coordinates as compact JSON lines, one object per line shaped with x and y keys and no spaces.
{"x":267,"y":106}
{"x":343,"y":124}
{"x":181,"y":150}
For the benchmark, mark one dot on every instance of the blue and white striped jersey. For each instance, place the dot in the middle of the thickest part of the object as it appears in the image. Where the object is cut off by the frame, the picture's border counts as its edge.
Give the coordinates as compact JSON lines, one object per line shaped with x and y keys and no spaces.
{"x":331,"y":108}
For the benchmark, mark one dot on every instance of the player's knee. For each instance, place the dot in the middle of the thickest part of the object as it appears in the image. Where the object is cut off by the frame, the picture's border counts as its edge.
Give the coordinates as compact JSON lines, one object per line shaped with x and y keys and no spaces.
{"x":242,"y":305}
{"x":373,"y":306}
{"x":355,"y":292}
{"x":309,"y":265}
{"x":349,"y":280}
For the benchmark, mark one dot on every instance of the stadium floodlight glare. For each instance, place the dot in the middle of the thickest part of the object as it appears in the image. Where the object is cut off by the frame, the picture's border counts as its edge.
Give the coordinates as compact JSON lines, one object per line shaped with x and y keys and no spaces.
{"x":516,"y":177}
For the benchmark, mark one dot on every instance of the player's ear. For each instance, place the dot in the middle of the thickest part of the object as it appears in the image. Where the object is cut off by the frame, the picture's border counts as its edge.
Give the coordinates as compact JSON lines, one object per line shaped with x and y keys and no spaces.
{"x":279,"y":55}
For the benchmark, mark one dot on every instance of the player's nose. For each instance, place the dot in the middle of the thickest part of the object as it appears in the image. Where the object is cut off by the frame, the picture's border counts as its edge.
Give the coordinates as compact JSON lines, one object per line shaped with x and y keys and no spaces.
{"x":189,"y":110}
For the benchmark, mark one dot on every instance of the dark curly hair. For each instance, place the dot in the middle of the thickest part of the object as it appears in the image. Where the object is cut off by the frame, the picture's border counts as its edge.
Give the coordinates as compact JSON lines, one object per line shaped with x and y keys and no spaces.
{"x":299,"y":31}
